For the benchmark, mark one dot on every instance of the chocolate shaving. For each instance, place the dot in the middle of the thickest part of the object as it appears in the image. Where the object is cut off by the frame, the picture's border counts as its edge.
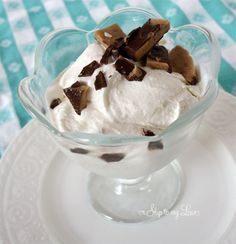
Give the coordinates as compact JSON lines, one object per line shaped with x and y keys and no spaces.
{"x":55,"y":102}
{"x":129,"y":70}
{"x":148,"y":132}
{"x":77,"y":97}
{"x":154,"y":145}
{"x":89,"y":69}
{"x":100,"y":81}
{"x":141,"y":40}
{"x":112,"y":157}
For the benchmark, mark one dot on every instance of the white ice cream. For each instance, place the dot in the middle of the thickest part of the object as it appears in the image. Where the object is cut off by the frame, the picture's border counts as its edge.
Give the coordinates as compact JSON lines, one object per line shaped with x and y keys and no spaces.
{"x":123,"y":107}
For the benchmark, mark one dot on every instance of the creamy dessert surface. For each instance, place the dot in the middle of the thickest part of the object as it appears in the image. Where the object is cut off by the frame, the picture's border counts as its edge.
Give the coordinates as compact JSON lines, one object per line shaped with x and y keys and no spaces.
{"x":117,"y":103}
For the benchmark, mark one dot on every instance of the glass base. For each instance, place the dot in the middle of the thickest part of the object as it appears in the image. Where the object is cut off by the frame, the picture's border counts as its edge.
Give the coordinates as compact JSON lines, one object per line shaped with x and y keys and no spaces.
{"x":136,"y":200}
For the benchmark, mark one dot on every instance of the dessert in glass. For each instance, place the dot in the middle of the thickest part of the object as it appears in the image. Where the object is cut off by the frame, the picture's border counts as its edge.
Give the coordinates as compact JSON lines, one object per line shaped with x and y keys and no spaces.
{"x":124,"y":101}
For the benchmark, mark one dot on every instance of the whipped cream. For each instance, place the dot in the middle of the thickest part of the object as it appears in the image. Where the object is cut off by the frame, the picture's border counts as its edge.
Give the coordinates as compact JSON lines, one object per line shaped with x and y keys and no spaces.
{"x":123,"y":107}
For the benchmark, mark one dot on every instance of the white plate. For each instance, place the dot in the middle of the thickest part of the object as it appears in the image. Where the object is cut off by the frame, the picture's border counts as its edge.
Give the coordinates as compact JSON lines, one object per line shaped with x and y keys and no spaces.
{"x":43,"y":195}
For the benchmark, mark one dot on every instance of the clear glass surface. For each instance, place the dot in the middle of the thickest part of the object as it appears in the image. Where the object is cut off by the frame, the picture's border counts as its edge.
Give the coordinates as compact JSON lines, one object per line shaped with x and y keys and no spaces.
{"x":134,"y":164}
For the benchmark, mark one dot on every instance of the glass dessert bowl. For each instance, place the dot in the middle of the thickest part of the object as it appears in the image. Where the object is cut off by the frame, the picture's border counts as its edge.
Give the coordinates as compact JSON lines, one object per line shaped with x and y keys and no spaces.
{"x":129,"y":173}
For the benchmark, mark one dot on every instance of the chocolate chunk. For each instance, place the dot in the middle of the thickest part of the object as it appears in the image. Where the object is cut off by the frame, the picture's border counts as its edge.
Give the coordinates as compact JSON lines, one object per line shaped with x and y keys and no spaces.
{"x":158,"y":58}
{"x":89,"y":69}
{"x":55,"y":102}
{"x":129,"y":70}
{"x":78,"y":84}
{"x":112,"y":157}
{"x":123,"y":66}
{"x":160,"y":53}
{"x":132,"y":35}
{"x":141,"y":40}
{"x":77,"y":97}
{"x":120,"y":49}
{"x":182,"y":63}
{"x":154,"y":145}
{"x":107,"y":36}
{"x":106,"y":55}
{"x":115,"y":53}
{"x":100,"y":81}
{"x":148,"y":132}
{"x":79,"y":150}
{"x":119,"y":42}
{"x":136,"y":74}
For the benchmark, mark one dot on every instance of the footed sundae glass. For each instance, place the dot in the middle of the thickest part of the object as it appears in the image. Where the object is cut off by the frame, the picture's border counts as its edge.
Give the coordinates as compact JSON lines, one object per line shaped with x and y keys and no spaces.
{"x":129,"y":173}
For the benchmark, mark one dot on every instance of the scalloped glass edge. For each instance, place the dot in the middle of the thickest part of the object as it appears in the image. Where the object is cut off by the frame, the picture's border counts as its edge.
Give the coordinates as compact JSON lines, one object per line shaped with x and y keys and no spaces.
{"x":108,"y":139}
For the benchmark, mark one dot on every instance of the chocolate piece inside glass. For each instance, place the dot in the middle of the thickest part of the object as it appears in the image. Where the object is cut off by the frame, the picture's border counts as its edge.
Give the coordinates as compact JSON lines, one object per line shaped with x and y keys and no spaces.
{"x":79,"y":150}
{"x":55,"y":102}
{"x":112,"y":157}
{"x":155,"y":145}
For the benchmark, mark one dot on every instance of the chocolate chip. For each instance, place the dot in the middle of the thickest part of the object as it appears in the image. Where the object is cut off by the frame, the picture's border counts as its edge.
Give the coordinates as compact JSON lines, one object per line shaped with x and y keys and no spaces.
{"x":129,"y":70}
{"x":154,"y":145}
{"x":89,"y":69}
{"x":55,"y":102}
{"x":79,"y":150}
{"x":112,"y":157}
{"x":141,"y":40}
{"x":107,"y":36}
{"x":77,"y":97}
{"x":148,"y":132}
{"x":100,"y":81}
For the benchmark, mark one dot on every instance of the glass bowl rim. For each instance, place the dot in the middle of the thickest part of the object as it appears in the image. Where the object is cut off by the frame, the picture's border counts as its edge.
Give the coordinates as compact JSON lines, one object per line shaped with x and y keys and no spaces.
{"x":116,"y":139}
